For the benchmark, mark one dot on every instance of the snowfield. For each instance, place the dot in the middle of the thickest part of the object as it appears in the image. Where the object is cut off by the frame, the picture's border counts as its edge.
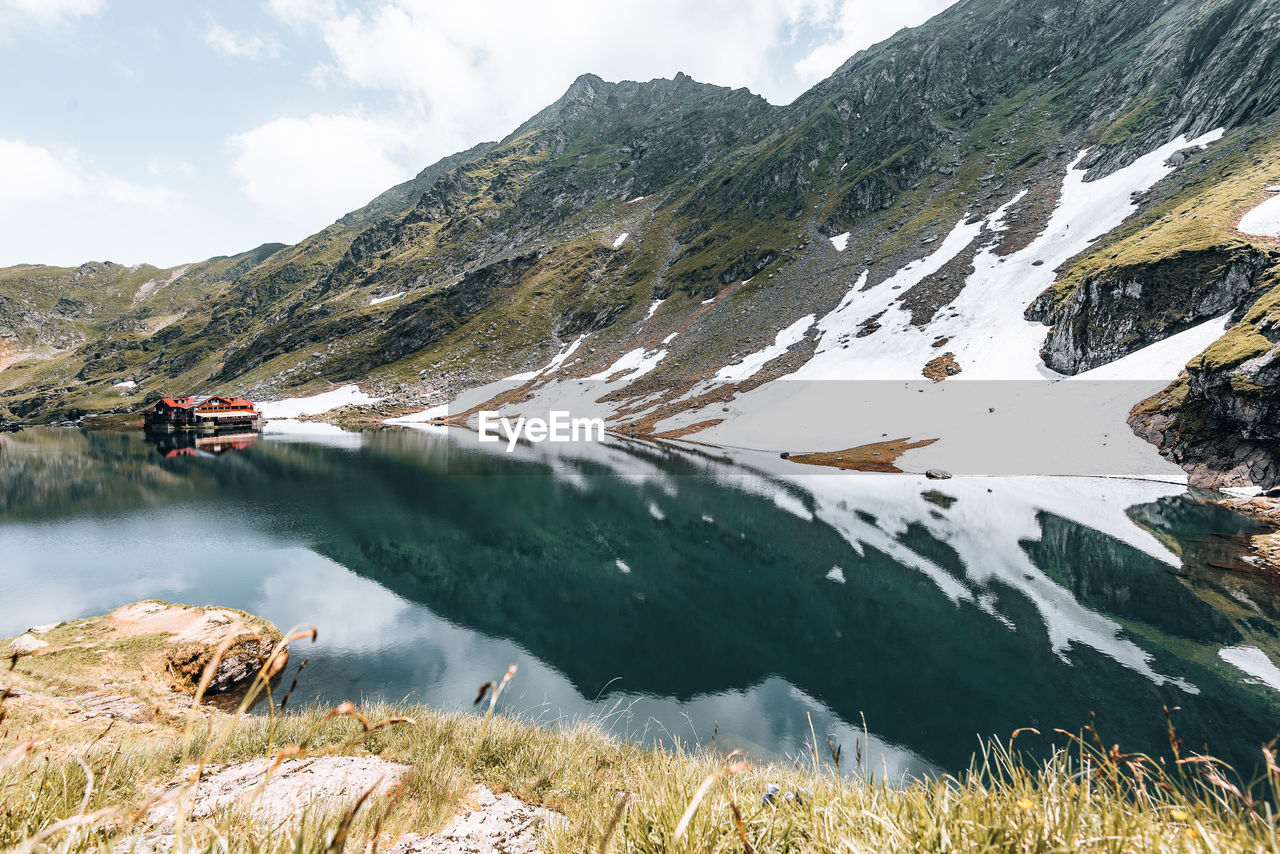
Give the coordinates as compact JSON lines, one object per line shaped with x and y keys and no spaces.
{"x":317,"y":404}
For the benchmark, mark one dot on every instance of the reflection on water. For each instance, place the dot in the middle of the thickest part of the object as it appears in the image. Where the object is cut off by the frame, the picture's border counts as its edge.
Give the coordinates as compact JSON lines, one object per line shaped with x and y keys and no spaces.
{"x":672,"y":591}
{"x":192,"y":443}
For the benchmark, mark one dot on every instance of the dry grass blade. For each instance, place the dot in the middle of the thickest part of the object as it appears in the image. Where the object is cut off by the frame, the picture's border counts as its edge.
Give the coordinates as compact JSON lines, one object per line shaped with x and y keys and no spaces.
{"x":397,"y":793}
{"x":741,"y":827}
{"x":704,"y":787}
{"x":294,"y":684}
{"x":76,"y":821}
{"x":17,"y":754}
{"x":340,"y":838}
{"x":612,"y":826}
{"x":484,"y":689}
{"x":88,"y":784}
{"x":349,"y":709}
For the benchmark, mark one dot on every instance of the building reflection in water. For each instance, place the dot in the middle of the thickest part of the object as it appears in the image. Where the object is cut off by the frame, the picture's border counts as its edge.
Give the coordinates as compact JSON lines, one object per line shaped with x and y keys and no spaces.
{"x":201,"y":443}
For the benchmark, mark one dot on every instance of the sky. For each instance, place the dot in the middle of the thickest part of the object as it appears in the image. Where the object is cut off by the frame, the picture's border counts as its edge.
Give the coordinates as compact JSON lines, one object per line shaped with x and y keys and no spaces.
{"x":166,"y":132}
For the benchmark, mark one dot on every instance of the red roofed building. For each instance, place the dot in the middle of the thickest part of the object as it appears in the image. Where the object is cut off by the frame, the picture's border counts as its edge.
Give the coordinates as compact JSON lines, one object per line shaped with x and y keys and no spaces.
{"x":201,"y":412}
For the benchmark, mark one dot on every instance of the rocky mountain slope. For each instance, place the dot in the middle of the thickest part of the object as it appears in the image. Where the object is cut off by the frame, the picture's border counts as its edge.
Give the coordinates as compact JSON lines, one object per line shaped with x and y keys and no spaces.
{"x":684,"y":244}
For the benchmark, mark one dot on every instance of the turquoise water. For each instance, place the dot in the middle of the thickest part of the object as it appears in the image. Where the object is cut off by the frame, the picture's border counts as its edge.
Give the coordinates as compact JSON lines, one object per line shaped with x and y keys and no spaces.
{"x":674,"y":594}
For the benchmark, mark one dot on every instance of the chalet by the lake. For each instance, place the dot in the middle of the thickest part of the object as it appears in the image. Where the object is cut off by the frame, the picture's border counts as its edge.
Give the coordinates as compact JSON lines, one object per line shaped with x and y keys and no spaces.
{"x":204,"y":412}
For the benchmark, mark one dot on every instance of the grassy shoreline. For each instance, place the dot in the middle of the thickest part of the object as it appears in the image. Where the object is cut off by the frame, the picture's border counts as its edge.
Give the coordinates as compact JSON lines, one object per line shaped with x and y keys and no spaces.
{"x":74,"y":782}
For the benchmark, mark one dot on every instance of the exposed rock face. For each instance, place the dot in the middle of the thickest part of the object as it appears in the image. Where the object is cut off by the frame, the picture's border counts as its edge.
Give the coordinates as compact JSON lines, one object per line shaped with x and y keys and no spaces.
{"x":27,"y":643}
{"x":1131,"y":307}
{"x":195,"y":637}
{"x":1221,"y":425}
{"x":500,"y":823}
{"x":1221,"y":421}
{"x":319,"y":784}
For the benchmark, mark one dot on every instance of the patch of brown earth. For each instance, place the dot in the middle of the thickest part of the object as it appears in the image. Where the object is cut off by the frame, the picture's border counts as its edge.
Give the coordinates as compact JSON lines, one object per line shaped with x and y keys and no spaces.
{"x":875,"y":457}
{"x":681,"y":432}
{"x":942,"y":367}
{"x":10,"y":353}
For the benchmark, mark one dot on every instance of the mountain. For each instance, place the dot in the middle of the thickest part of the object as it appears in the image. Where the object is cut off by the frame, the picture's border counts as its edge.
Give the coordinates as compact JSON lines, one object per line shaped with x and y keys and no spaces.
{"x":1010,"y":190}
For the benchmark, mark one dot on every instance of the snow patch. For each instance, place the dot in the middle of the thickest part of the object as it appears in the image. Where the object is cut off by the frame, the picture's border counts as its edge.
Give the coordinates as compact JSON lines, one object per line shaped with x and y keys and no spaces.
{"x":751,"y":364}
{"x":836,"y":574}
{"x":617,"y":244}
{"x":622,"y":566}
{"x":1262,"y":221}
{"x":840,"y":241}
{"x":653,"y":307}
{"x":636,"y":364}
{"x":316,"y":404}
{"x":125,"y":384}
{"x":379,"y":300}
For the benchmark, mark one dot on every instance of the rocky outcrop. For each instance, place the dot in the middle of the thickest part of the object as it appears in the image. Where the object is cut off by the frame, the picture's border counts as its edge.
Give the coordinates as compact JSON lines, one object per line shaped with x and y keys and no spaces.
{"x":1128,"y":307}
{"x":499,"y":823}
{"x":277,"y":793}
{"x":1221,"y":420}
{"x":154,"y":653}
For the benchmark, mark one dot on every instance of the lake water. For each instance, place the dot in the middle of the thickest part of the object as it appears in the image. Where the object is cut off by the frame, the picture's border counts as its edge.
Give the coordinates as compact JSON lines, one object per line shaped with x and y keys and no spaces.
{"x":676,"y":593}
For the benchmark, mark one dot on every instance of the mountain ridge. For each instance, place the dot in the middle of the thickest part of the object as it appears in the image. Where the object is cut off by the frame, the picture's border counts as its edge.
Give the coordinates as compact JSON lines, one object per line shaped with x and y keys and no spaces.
{"x":501,"y":255}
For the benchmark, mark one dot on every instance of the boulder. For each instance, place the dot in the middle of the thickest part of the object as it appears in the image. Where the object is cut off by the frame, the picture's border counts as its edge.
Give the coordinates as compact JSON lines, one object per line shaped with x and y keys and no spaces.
{"x":27,"y":644}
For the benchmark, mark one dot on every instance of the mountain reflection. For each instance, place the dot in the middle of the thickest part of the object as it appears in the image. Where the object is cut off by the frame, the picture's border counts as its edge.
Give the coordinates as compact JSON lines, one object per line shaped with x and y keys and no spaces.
{"x":976,"y":607}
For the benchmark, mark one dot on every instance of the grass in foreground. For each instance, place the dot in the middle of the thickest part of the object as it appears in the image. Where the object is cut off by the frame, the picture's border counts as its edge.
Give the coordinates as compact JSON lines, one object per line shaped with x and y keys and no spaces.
{"x":89,"y":787}
{"x":619,"y":796}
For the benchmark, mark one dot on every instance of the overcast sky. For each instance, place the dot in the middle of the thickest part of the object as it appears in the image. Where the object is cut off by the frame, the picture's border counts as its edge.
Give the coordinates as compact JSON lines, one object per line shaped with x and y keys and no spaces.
{"x":161,"y":131}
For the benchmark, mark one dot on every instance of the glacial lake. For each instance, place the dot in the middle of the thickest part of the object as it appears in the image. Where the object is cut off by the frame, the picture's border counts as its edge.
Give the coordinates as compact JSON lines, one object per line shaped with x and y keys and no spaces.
{"x":674,"y":593}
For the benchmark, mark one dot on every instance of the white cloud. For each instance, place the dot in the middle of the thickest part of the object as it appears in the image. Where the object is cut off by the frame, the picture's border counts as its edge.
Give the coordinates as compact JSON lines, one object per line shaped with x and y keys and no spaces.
{"x":33,"y":177}
{"x":458,"y":73}
{"x":300,"y":12}
{"x":30,"y":174}
{"x":249,"y":45}
{"x":856,"y":25}
{"x":165,"y":165}
{"x":310,"y":171}
{"x":474,"y":71}
{"x":18,"y":14}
